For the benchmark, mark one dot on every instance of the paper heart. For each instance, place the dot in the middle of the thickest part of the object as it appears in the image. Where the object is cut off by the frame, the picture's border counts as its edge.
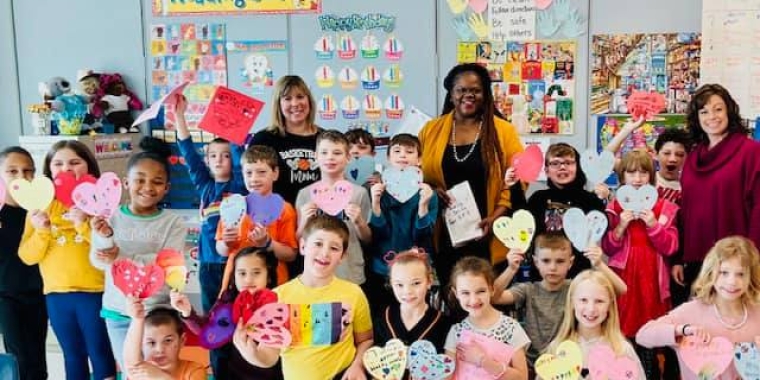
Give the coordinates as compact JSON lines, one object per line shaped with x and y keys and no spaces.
{"x":264,"y":210}
{"x":494,"y":349}
{"x":100,"y":198}
{"x":645,"y":104}
{"x":332,"y":199}
{"x":248,"y":302}
{"x":137,"y":280}
{"x":543,"y":4}
{"x":402,"y":184}
{"x":65,"y":183}
{"x":360,"y":169}
{"x":707,"y":360}
{"x":425,"y":363}
{"x":565,"y":365}
{"x":3,"y":193}
{"x":747,"y":360}
{"x":637,"y":200}
{"x":603,"y":364}
{"x":176,"y":278}
{"x":584,"y":230}
{"x":515,"y":232}
{"x":34,"y":195}
{"x":386,"y":363}
{"x":597,"y":166}
{"x":169,"y":257}
{"x":232,"y":209}
{"x":269,"y":325}
{"x":478,"y":6}
{"x":220,"y":327}
{"x":528,"y":163}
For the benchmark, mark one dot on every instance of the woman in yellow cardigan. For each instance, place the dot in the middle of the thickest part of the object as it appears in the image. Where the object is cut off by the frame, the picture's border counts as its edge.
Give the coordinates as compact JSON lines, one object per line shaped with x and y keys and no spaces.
{"x":469,"y":143}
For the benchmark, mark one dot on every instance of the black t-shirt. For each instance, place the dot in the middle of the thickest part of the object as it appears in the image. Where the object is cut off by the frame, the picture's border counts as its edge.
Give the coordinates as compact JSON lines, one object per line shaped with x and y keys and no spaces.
{"x":433,"y":327}
{"x":15,"y":276}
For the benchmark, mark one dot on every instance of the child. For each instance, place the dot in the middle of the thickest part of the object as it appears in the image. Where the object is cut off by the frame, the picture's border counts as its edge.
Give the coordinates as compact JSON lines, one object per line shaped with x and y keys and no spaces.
{"x":542,"y":302}
{"x":725,"y":303}
{"x":412,"y":319}
{"x":137,"y":231}
{"x":254,"y":269}
{"x":361,"y":143}
{"x":399,"y":226}
{"x":471,"y":284}
{"x":332,"y":157}
{"x":153,"y":343}
{"x":324,"y":242}
{"x":58,"y":239}
{"x":637,"y":246}
{"x":260,"y":171}
{"x":23,"y":318}
{"x":591,"y":318}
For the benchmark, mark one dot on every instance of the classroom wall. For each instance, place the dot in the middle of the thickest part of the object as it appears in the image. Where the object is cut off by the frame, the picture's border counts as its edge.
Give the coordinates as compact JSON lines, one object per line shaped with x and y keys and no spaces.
{"x":10,"y":116}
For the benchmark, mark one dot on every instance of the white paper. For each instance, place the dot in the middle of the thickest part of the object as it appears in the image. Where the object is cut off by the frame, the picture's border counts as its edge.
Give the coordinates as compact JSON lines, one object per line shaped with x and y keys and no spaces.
{"x":512,"y":20}
{"x":543,"y":143}
{"x":152,"y":111}
{"x":462,"y":216}
{"x":413,"y":121}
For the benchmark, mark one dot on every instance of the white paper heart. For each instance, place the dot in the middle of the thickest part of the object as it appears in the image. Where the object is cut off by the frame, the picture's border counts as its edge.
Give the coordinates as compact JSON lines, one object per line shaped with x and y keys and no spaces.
{"x":34,"y":195}
{"x":517,"y":231}
{"x":360,"y":169}
{"x":402,"y":184}
{"x":597,"y":166}
{"x":584,"y":230}
{"x":637,"y":200}
{"x":747,"y":360}
{"x":232,"y":209}
{"x":386,"y":363}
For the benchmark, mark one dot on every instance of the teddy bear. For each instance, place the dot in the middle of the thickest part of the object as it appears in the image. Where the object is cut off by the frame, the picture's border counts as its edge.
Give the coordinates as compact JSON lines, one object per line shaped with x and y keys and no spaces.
{"x":114,"y":101}
{"x":69,"y":109}
{"x":89,"y":81}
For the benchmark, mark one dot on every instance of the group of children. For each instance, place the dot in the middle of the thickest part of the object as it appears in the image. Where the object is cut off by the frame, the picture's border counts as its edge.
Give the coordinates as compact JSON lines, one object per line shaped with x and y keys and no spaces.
{"x":377,"y":249}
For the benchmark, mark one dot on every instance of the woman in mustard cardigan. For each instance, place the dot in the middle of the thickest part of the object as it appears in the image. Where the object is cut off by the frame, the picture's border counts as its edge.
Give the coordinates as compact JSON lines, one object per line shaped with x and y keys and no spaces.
{"x":469,"y":143}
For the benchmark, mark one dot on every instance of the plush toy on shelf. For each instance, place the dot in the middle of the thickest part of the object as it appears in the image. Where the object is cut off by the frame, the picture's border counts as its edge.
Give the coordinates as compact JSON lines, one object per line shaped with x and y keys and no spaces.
{"x":89,"y":82}
{"x":69,"y":109}
{"x":115,"y":102}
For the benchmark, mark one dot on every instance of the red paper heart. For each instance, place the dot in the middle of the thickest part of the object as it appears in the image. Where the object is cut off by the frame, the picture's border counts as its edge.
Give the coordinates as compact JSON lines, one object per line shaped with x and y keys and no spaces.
{"x":136,"y":280}
{"x":528,"y":164}
{"x":247,"y":303}
{"x":645,"y":104}
{"x":65,"y":183}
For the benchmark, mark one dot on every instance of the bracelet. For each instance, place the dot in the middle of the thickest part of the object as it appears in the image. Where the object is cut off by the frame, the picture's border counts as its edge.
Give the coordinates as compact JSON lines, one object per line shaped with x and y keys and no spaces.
{"x":683,"y":329}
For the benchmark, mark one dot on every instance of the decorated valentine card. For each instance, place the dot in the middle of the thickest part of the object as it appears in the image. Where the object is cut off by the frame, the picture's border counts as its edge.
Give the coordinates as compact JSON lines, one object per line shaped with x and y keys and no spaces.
{"x":246,"y":303}
{"x":706,"y":360}
{"x":269,"y":325}
{"x":425,"y":363}
{"x":219,"y":328}
{"x":528,"y":163}
{"x":230,"y":114}
{"x":565,"y":364}
{"x":645,"y":104}
{"x":264,"y":210}
{"x":517,"y":231}
{"x":100,"y":198}
{"x":232,"y":209}
{"x":331,"y":199}
{"x":173,"y":263}
{"x":168,"y":99}
{"x":64,"y":184}
{"x":637,"y":200}
{"x":597,"y":166}
{"x":584,"y":230}
{"x":388,"y":362}
{"x":34,"y":195}
{"x":360,"y":169}
{"x":494,"y":349}
{"x":747,"y":360}
{"x":136,"y":280}
{"x":603,"y":364}
{"x":402,"y":184}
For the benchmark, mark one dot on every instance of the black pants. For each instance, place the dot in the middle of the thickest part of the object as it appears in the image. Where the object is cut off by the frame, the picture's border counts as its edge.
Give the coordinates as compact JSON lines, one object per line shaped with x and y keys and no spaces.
{"x":24,"y":325}
{"x":680,"y":294}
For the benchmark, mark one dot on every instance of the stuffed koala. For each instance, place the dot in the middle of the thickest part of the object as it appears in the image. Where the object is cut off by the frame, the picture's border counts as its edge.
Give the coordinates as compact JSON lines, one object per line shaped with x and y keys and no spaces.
{"x":116,"y":102}
{"x":69,"y":109}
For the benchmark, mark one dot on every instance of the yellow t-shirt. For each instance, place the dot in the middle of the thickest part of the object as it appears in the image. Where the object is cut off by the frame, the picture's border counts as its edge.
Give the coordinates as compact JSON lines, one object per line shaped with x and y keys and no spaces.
{"x":325,"y":361}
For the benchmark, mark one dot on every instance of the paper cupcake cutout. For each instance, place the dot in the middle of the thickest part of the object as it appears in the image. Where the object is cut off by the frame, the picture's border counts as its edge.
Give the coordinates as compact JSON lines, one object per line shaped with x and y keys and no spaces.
{"x":346,"y":47}
{"x":348,"y":78}
{"x":370,"y":46}
{"x":370,"y":78}
{"x":393,"y":48}
{"x":372,"y":107}
{"x":394,"y":107}
{"x":325,"y":76}
{"x":392,"y":77}
{"x":324,"y":47}
{"x":349,"y":106}
{"x":327,"y":109}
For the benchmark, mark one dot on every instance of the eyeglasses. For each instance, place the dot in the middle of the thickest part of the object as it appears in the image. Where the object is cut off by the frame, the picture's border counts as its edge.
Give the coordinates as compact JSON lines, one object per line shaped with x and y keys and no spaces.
{"x":558,"y":164}
{"x":461,"y":91}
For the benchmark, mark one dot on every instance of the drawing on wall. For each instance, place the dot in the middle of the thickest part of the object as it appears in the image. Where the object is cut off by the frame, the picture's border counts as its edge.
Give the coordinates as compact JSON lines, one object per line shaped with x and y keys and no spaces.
{"x":186,"y":8}
{"x":666,"y":63}
{"x":257,"y":71}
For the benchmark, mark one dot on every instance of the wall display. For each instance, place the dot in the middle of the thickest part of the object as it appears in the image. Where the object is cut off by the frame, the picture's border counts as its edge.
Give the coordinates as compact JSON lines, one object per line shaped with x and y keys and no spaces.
{"x":259,"y":60}
{"x":237,"y":7}
{"x":666,"y":63}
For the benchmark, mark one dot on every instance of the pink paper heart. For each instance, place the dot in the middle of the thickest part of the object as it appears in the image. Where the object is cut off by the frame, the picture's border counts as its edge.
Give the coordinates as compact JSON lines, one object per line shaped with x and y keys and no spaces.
{"x":269,"y":325}
{"x":65,"y":183}
{"x":528,"y":164}
{"x":478,"y":6}
{"x":603,"y":364}
{"x":100,"y":198}
{"x":706,"y":359}
{"x":332,"y":199}
{"x":543,"y":4}
{"x":136,"y":280}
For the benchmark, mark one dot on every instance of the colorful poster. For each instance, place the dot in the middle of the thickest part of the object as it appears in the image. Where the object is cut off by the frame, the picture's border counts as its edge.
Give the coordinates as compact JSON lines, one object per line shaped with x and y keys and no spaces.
{"x":188,"y":52}
{"x":258,"y":62}
{"x":191,"y":7}
{"x":663,"y":63}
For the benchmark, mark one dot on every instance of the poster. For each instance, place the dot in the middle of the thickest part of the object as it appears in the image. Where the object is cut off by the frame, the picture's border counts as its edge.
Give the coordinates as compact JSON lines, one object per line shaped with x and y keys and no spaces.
{"x":667,"y":63}
{"x":533,"y":82}
{"x":512,"y":20}
{"x":259,"y":62}
{"x":233,"y":7}
{"x":188,"y":52}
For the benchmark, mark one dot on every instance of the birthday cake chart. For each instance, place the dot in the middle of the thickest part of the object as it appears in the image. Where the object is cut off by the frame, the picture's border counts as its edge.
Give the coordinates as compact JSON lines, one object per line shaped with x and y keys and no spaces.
{"x":349,"y":107}
{"x":326,"y":108}
{"x":348,"y":78}
{"x":394,"y":107}
{"x":370,"y":78}
{"x":370,"y":47}
{"x":346,"y":47}
{"x":393,"y":48}
{"x":372,"y":107}
{"x":393,"y":77}
{"x":325,"y":76}
{"x":324,"y":47}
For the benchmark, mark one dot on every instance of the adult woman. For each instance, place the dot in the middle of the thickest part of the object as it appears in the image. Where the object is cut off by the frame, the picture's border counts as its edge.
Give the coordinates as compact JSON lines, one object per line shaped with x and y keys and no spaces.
{"x":468,"y":143}
{"x":720,"y":180}
{"x":293,"y":135}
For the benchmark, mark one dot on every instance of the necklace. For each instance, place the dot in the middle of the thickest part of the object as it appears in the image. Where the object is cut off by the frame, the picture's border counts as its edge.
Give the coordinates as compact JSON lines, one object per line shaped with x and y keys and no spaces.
{"x":727,"y":325}
{"x":454,"y":139}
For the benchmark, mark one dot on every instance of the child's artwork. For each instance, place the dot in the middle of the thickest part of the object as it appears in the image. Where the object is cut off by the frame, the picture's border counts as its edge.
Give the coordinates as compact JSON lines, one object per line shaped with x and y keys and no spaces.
{"x":230,"y":115}
{"x":232,"y":209}
{"x":402,"y":184}
{"x":604,"y":364}
{"x":269,"y":325}
{"x":565,"y":365}
{"x":332,"y":199}
{"x":188,"y":52}
{"x":666,"y":63}
{"x":155,"y":108}
{"x":642,"y":104}
{"x":258,"y":60}
{"x":533,"y":82}
{"x":747,"y":360}
{"x":515,"y":232}
{"x":135,"y":280}
{"x":238,"y":7}
{"x":497,"y":351}
{"x":597,"y":166}
{"x":528,"y":163}
{"x":264,"y":210}
{"x":637,"y":200}
{"x":34,"y":195}
{"x":247,"y":302}
{"x":219,"y":328}
{"x":388,"y":362}
{"x":100,"y":198}
{"x":299,"y":325}
{"x":173,"y":264}
{"x":360,"y":169}
{"x":463,"y":216}
{"x":706,"y":360}
{"x":65,"y":182}
{"x":425,"y":363}
{"x":584,"y":230}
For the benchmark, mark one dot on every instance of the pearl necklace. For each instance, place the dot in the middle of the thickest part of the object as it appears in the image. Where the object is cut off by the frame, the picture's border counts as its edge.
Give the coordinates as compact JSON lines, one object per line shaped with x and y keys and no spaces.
{"x":454,"y":138}
{"x":729,"y":326}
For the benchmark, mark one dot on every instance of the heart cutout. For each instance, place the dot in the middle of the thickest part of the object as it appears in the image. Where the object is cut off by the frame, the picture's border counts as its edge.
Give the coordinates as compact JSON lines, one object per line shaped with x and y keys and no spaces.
{"x":597,"y":166}
{"x":565,"y":365}
{"x":360,"y":169}
{"x":388,"y":362}
{"x":478,"y":6}
{"x":515,"y":232}
{"x":264,"y":210}
{"x":528,"y":163}
{"x":220,"y":327}
{"x":3,"y":193}
{"x":34,"y":195}
{"x":246,"y":303}
{"x":645,"y":104}
{"x":137,"y":280}
{"x":100,"y":198}
{"x":747,"y":360}
{"x":332,"y":199}
{"x":584,"y":230}
{"x":494,"y":349}
{"x":65,"y":183}
{"x":706,"y":360}
{"x":402,"y":184}
{"x":604,"y":364}
{"x":269,"y":325}
{"x":232,"y":209}
{"x":543,"y":4}
{"x":637,"y":200}
{"x":425,"y":363}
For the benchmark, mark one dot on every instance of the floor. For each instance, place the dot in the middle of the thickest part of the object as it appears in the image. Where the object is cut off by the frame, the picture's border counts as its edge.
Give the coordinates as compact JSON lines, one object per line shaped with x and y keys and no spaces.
{"x":54,"y":357}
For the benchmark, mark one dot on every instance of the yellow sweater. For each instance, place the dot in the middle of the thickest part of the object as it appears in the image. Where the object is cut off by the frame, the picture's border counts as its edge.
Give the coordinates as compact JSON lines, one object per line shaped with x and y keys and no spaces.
{"x":435,"y":137}
{"x":62,"y":253}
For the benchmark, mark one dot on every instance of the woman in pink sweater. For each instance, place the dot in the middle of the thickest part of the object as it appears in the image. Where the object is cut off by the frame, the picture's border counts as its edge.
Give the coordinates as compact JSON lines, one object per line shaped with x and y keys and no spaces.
{"x":725,"y":304}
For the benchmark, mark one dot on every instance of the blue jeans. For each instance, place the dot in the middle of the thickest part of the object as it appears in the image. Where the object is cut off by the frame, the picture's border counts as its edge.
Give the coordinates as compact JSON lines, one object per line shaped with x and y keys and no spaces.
{"x":117,"y":333}
{"x":210,"y":277}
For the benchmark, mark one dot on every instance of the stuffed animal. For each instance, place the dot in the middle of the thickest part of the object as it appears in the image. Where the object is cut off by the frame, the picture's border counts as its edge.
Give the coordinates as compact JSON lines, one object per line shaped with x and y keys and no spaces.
{"x":69,"y":109}
{"x":115,"y":102}
{"x":89,"y":82}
